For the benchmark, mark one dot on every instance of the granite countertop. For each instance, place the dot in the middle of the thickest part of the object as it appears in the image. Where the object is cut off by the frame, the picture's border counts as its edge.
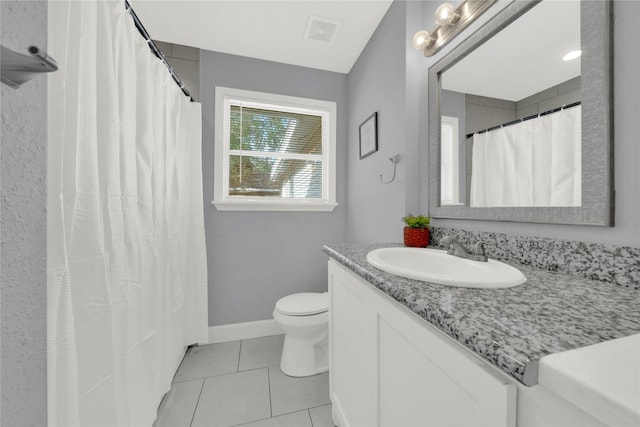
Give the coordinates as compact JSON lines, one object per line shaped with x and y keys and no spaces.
{"x":510,"y":328}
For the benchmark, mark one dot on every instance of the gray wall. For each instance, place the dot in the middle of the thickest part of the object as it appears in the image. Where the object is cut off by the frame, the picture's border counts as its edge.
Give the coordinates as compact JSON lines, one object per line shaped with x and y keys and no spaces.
{"x":383,"y":80}
{"x":255,"y":258}
{"x":23,"y":276}
{"x":554,"y":97}
{"x":452,"y":104}
{"x":185,"y":61}
{"x":484,"y":112}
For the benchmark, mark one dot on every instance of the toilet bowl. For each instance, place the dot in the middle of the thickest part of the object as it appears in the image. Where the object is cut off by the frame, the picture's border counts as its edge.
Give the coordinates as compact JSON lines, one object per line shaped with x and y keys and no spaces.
{"x":304,"y":319}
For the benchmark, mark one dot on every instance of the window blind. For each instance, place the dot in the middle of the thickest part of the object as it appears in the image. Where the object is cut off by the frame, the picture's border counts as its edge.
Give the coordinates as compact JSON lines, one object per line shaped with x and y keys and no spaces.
{"x":274,"y":153}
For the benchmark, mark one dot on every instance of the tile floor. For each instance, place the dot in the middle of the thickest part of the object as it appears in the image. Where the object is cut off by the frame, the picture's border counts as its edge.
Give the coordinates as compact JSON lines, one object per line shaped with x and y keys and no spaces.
{"x":239,"y":383}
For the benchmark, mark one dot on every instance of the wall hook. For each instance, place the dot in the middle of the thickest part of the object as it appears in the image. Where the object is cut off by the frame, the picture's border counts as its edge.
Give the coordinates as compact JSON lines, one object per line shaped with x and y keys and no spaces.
{"x":18,"y":68}
{"x":393,"y":159}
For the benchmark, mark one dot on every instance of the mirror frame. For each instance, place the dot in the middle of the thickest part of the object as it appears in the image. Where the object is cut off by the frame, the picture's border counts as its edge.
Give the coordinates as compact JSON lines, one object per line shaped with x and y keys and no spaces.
{"x":597,"y":123}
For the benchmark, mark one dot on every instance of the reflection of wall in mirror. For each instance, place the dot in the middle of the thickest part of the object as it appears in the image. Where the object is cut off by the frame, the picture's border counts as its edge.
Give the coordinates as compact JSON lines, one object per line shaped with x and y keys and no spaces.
{"x":483,"y":113}
{"x":449,"y":161}
{"x":554,"y":97}
{"x":452,"y":104}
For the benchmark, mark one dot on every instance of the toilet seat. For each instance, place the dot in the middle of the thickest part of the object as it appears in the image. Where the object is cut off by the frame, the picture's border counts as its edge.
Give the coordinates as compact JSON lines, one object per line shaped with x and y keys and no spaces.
{"x":303,"y":304}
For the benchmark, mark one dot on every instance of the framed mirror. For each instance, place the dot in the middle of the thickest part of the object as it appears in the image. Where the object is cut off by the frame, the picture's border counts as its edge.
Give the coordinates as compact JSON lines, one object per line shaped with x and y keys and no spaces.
{"x":516,"y":132}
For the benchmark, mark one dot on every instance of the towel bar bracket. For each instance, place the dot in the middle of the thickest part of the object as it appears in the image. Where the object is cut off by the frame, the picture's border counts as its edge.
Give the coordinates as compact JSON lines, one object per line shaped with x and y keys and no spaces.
{"x":17,"y":69}
{"x":393,"y":159}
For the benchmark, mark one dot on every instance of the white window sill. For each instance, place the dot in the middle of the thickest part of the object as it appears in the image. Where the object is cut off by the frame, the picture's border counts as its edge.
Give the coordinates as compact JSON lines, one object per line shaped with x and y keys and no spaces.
{"x":271,"y":205}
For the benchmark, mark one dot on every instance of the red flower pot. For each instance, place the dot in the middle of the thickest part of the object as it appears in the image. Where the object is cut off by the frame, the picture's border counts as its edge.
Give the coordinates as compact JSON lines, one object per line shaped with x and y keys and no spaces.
{"x":416,"y":237}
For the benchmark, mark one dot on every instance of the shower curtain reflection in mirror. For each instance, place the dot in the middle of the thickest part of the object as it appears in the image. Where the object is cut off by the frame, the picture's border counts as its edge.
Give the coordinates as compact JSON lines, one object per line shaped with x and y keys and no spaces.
{"x":536,"y":162}
{"x":127,"y":278}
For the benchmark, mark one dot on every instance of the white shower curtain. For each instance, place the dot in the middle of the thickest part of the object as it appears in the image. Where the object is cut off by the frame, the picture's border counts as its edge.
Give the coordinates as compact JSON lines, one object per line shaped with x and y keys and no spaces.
{"x":126,"y":252}
{"x":533,"y":163}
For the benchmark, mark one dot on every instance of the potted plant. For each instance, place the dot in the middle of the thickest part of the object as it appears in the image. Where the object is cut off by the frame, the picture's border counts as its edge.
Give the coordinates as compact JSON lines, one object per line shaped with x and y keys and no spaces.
{"x":416,"y":233}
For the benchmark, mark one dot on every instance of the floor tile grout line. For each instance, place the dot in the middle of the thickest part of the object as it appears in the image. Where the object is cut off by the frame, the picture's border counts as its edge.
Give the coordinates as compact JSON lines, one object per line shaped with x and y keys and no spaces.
{"x":242,"y":347}
{"x":193,"y":417}
{"x":270,"y":418}
{"x":268,"y":368}
{"x":320,"y":406}
{"x":219,"y":375}
{"x":249,"y":422}
{"x":277,"y":416}
{"x":188,"y":352}
{"x":298,"y":410}
{"x":235,"y":373}
{"x":269,"y":384}
{"x":222,"y":375}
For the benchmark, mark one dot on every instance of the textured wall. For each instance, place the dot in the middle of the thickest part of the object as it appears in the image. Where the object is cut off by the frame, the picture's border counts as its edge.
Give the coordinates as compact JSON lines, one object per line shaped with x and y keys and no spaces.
{"x":255,"y":258}
{"x":23,"y":220}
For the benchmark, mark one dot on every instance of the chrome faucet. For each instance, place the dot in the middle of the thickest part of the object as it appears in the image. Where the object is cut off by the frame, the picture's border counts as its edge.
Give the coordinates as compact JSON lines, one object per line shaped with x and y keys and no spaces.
{"x":456,"y":248}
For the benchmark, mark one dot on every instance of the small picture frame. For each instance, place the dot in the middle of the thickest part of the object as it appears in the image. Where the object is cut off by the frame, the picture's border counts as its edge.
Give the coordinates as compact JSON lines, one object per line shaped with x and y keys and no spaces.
{"x":369,"y":136}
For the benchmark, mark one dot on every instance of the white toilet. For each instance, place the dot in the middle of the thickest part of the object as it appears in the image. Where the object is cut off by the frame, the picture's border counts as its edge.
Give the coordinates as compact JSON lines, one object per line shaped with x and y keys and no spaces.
{"x":304,"y":319}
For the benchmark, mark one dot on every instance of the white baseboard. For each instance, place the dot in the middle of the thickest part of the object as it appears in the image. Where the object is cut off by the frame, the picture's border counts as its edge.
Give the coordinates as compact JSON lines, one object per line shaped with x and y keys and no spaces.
{"x":243,"y":331}
{"x":336,"y":413}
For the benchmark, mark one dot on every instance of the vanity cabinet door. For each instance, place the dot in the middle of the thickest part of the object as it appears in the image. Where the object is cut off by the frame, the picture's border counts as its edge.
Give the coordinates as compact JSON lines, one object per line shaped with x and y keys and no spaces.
{"x":352,"y":352}
{"x":424,"y":380}
{"x":388,"y":367}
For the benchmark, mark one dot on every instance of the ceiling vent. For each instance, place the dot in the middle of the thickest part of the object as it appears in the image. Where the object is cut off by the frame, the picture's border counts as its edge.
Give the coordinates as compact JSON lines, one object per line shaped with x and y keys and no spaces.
{"x":321,"y":30}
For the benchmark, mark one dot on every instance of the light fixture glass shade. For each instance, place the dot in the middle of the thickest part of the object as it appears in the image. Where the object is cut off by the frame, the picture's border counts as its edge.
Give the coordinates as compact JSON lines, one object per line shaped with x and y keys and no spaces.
{"x":446,"y":14}
{"x":572,"y":55}
{"x":421,"y":39}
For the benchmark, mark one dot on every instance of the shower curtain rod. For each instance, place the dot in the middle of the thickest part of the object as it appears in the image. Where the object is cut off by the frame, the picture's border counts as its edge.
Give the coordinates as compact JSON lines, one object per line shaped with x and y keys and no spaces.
{"x":524,"y":119}
{"x":155,"y":49}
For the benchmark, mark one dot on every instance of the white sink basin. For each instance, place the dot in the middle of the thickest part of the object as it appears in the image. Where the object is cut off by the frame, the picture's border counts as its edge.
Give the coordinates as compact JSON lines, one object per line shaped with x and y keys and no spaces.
{"x":436,"y":266}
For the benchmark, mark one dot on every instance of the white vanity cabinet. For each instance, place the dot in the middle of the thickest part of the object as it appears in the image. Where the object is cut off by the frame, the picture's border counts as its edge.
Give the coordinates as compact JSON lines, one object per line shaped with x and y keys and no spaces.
{"x":390,"y":368}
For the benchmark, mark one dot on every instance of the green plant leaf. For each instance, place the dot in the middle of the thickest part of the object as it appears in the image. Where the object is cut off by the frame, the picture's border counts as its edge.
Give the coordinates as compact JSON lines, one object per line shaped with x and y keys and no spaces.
{"x":419,"y":221}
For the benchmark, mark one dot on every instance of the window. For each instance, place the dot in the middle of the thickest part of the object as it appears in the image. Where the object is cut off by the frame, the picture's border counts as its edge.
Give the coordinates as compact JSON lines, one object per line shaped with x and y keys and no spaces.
{"x":273,"y":152}
{"x":449,"y":160}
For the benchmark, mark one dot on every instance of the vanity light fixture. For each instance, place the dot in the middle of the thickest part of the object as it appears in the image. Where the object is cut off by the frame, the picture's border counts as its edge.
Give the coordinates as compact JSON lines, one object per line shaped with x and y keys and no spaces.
{"x":450,"y":22}
{"x":572,"y":55}
{"x":446,"y":15}
{"x":422,"y":39}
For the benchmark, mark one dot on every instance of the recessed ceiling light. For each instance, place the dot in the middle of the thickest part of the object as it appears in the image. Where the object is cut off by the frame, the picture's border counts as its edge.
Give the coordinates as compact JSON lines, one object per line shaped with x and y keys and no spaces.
{"x":572,"y":55}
